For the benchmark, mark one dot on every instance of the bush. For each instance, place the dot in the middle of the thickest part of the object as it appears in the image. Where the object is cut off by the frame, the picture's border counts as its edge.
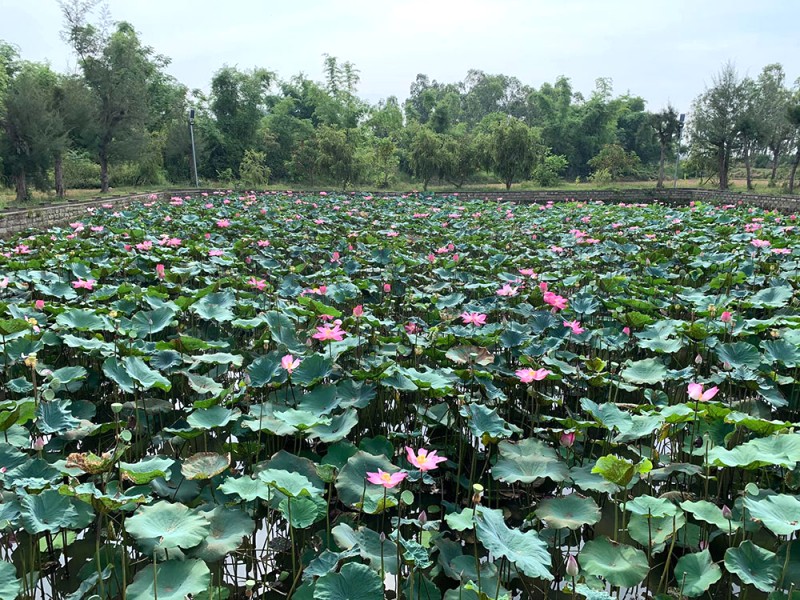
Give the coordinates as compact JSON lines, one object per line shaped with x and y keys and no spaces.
{"x":548,"y":172}
{"x":252,"y":170}
{"x":601,"y":176}
{"x":80,"y":171}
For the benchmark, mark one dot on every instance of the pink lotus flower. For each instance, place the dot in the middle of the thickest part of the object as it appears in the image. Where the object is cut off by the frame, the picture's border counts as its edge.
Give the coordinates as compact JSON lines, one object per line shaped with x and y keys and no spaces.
{"x":4,"y":283}
{"x":263,"y":243}
{"x":86,"y":284}
{"x":529,"y":375}
{"x":423,"y":459}
{"x":760,"y":243}
{"x":259,"y":284}
{"x":726,"y":317}
{"x":387,"y":480}
{"x":527,"y":272}
{"x":507,"y":290}
{"x":329,"y":332}
{"x":475,"y":318}
{"x":572,"y":569}
{"x":290,"y":363}
{"x":335,"y":257}
{"x":554,"y":300}
{"x":411,"y":328}
{"x":696,"y":392}
{"x":216,"y":252}
{"x":567,"y":439}
{"x":358,"y":311}
{"x":626,"y":331}
{"x":575,"y":326}
{"x":39,"y":304}
{"x":160,"y":271}
{"x":223,"y":223}
{"x":145,"y":245}
{"x":387,"y":287}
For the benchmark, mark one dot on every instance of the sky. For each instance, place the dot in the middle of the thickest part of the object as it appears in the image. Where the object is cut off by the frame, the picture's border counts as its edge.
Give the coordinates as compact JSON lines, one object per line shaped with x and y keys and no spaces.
{"x":666,"y":51}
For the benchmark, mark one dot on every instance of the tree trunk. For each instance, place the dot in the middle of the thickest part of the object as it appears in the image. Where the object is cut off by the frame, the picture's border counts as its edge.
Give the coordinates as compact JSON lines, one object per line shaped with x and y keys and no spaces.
{"x":775,"y":154}
{"x":723,"y":169}
{"x":103,"y":171}
{"x":425,"y":185}
{"x":748,"y":168}
{"x":21,"y":185}
{"x":660,"y":183}
{"x":508,"y":185}
{"x":58,"y":169}
{"x":795,"y":162}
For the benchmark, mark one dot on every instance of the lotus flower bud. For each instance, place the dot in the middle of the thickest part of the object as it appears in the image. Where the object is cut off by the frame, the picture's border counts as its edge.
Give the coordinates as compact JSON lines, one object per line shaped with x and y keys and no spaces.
{"x":572,"y":566}
{"x":698,"y":360}
{"x":423,"y":517}
{"x":726,"y":513}
{"x":567,"y":439}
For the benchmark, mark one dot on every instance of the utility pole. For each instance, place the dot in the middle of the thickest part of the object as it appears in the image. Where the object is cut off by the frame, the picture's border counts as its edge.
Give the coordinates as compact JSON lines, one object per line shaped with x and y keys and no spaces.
{"x":678,"y":150}
{"x":194,"y":153}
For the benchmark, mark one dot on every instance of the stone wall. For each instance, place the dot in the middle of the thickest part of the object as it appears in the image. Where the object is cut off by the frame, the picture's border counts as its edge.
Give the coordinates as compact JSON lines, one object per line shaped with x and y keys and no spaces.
{"x":18,"y":220}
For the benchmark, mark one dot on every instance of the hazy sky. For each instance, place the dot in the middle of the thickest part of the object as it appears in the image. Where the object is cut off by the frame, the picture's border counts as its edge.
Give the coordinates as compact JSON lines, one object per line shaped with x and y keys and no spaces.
{"x":662,"y":50}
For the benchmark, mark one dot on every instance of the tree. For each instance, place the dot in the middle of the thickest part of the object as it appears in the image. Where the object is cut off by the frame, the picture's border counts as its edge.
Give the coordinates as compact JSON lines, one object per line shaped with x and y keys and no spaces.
{"x":775,"y":99}
{"x":716,"y":116}
{"x":547,"y":172}
{"x":253,"y":170}
{"x":32,"y":126}
{"x":751,"y":126}
{"x":614,"y":160}
{"x":337,"y":155}
{"x":460,"y":157}
{"x":511,"y":148}
{"x":385,"y":160}
{"x":793,"y":116}
{"x":666,"y":125}
{"x":426,"y":148}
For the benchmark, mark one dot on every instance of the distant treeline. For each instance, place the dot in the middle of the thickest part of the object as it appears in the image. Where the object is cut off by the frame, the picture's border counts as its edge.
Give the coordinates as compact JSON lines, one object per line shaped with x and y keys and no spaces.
{"x":121,"y":120}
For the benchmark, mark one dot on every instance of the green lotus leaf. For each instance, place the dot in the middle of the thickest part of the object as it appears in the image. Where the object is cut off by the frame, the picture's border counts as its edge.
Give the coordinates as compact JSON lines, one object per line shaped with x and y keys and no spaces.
{"x":146,"y":470}
{"x":227,"y":528}
{"x":461,"y":521}
{"x":526,"y":461}
{"x":284,"y":332}
{"x":368,"y":544}
{"x":619,"y":471}
{"x":167,"y":525}
{"x":772,"y":297}
{"x":337,"y":429}
{"x":710,"y":513}
{"x":47,"y":511}
{"x":291,"y":484}
{"x":570,"y":512}
{"x":55,"y":417}
{"x":303,"y":511}
{"x":483,"y":420}
{"x":10,"y":586}
{"x":211,"y":418}
{"x":695,"y":573}
{"x":649,"y":506}
{"x":172,"y":580}
{"x":205,"y":465}
{"x":203,"y":385}
{"x":753,"y":565}
{"x":739,"y":355}
{"x":215,"y":306}
{"x":470,"y":355}
{"x":66,"y":375}
{"x":654,"y":531}
{"x":247,"y":488}
{"x":138,"y":370}
{"x":116,"y":372}
{"x":352,"y":582}
{"x":83,"y":320}
{"x":312,"y":369}
{"x":146,"y":323}
{"x":779,"y":513}
{"x":782,"y":351}
{"x":621,"y":565}
{"x":525,"y":550}
{"x":781,"y":450}
{"x":351,"y":483}
{"x":649,"y":371}
{"x":264,"y":369}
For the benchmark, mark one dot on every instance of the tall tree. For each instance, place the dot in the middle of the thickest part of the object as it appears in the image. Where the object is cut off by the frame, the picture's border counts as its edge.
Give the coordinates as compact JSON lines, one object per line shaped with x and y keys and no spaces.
{"x":775,"y":99}
{"x":32,"y":126}
{"x":793,"y":116}
{"x":426,"y":146}
{"x":118,"y":70}
{"x":512,"y":148}
{"x":716,"y":117}
{"x":665,"y":124}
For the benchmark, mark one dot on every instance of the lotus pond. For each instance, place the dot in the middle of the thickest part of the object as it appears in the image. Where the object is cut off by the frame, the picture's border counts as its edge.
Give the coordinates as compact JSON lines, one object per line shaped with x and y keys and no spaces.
{"x":345,"y":397}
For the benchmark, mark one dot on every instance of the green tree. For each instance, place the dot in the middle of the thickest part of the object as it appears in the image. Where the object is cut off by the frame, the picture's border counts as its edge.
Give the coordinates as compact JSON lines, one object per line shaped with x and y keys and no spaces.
{"x":775,"y":99}
{"x":253,"y":170}
{"x":665,"y":125}
{"x":614,"y":160}
{"x":425,"y":154}
{"x":793,"y":116}
{"x":512,"y":148}
{"x":337,"y":155}
{"x":460,"y":157}
{"x":716,"y":117}
{"x":547,"y":172}
{"x":33,"y":130}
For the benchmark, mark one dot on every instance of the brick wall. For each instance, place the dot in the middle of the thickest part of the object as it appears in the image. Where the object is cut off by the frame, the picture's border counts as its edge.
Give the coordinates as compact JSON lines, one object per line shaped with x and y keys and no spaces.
{"x":15,"y":221}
